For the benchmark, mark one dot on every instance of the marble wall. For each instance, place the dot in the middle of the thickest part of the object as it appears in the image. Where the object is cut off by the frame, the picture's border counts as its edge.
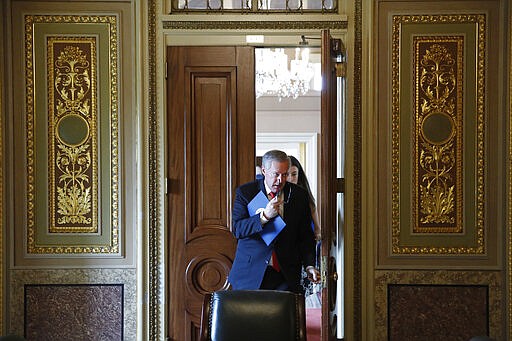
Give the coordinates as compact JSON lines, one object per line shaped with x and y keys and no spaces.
{"x":74,"y":304}
{"x":450,"y":312}
{"x":74,"y":312}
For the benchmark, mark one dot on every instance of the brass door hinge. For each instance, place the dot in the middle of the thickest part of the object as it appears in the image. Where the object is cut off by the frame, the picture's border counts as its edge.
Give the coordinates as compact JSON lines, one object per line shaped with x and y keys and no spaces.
{"x":341,"y":69}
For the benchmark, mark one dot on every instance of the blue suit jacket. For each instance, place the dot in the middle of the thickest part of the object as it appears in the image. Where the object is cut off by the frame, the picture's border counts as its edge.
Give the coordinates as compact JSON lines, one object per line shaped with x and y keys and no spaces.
{"x":294,"y":246}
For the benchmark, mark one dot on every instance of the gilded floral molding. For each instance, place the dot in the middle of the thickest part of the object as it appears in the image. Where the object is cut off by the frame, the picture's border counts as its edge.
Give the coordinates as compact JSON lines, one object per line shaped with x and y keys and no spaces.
{"x":72,"y":124}
{"x":508,"y":252}
{"x":254,"y":25}
{"x":357,"y":314}
{"x":435,"y":198}
{"x":74,"y":143}
{"x":2,"y":200}
{"x":438,"y":200}
{"x":156,"y":323}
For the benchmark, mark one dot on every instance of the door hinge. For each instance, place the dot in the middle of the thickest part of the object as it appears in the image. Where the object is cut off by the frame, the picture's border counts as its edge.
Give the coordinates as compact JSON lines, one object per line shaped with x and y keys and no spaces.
{"x":340,"y":185}
{"x":336,"y":46}
{"x":165,"y":70}
{"x":324,"y":272}
{"x":341,"y":69}
{"x":167,"y":185}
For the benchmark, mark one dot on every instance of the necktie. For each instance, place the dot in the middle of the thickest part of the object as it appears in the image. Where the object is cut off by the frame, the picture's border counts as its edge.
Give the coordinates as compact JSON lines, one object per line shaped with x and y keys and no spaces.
{"x":275,"y":263}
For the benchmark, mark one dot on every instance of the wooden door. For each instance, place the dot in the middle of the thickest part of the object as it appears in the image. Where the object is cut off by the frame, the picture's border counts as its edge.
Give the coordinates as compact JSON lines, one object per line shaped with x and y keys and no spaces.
{"x":330,"y":185}
{"x":211,"y":150}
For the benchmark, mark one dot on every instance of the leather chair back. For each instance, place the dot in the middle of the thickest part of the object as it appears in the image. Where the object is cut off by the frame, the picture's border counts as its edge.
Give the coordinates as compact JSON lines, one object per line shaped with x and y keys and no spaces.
{"x":253,"y":315}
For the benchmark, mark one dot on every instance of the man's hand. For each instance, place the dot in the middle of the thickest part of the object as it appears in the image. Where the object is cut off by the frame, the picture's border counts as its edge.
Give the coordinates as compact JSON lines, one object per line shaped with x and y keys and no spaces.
{"x":272,"y":208}
{"x":313,"y":274}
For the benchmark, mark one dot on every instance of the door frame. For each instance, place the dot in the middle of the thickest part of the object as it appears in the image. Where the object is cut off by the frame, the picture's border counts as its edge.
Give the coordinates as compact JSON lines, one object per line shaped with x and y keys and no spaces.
{"x":287,"y":35}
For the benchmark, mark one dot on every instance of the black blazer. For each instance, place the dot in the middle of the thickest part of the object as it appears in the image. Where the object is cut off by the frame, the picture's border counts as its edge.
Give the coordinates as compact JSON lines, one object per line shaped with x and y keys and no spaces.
{"x":294,"y":246}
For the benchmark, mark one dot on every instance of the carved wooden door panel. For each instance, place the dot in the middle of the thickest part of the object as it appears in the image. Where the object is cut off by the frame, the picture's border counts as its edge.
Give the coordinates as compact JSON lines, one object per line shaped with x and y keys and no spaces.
{"x":211,"y":150}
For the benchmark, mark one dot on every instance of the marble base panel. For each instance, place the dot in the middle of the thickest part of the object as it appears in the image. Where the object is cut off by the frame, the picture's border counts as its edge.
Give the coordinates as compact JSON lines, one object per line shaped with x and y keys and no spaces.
{"x":438,"y":305}
{"x":437,"y":312}
{"x":73,"y":304}
{"x":74,"y":312}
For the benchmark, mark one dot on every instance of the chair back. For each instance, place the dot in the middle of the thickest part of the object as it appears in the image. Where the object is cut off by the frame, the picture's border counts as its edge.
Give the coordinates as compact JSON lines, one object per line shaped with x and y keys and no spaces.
{"x":253,"y":315}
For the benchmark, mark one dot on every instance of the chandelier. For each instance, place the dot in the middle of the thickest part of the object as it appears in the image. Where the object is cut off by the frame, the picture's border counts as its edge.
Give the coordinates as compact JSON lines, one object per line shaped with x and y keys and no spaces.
{"x":278,"y":76}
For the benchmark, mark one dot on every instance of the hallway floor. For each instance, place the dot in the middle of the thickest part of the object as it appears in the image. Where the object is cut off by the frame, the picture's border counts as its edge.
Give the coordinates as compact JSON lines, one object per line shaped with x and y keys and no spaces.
{"x":313,"y":323}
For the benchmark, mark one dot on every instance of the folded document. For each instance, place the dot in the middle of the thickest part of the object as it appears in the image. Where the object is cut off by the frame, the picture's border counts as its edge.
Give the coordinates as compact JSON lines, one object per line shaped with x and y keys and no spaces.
{"x":274,"y":225}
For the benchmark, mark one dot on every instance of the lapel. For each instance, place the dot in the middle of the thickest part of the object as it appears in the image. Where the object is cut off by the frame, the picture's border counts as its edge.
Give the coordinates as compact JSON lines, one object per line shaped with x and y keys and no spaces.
{"x":287,"y":206}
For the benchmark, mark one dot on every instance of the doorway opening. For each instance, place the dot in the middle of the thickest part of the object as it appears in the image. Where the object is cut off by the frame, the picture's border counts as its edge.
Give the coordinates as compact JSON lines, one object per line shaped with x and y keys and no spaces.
{"x":202,"y":197}
{"x":288,"y":118}
{"x":288,"y":114}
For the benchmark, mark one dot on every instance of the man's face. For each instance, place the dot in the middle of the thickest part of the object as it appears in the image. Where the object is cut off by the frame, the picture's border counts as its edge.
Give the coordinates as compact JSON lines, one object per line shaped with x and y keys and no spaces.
{"x":276,"y":175}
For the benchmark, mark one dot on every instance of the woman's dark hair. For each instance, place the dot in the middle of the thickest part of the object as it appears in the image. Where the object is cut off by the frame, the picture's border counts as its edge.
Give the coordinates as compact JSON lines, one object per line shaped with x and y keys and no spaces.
{"x":302,"y":180}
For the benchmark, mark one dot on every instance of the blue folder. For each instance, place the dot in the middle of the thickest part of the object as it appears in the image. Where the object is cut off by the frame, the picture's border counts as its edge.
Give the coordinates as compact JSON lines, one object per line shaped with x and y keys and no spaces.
{"x":274,"y":225}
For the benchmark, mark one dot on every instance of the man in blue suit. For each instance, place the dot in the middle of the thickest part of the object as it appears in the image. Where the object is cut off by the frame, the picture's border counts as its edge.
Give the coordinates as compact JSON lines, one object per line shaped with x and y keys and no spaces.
{"x":276,"y":266}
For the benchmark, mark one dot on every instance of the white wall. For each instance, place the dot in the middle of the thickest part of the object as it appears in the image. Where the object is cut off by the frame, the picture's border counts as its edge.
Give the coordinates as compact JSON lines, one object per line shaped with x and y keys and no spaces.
{"x":288,"y":115}
{"x":285,"y":118}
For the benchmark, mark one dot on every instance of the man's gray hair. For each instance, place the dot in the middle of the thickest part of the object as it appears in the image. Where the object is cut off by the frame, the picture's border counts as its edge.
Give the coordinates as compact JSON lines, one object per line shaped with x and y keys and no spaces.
{"x":274,"y":155}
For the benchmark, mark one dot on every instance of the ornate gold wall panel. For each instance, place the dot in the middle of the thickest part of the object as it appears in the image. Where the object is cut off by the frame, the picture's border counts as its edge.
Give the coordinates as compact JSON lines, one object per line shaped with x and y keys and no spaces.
{"x":438,"y":146}
{"x":72,"y":134}
{"x":72,"y":137}
{"x":437,"y":199}
{"x":72,"y":126}
{"x":436,"y":111}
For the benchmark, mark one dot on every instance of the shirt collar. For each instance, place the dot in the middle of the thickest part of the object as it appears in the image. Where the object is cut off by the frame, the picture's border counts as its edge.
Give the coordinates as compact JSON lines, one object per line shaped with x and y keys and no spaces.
{"x":267,"y":189}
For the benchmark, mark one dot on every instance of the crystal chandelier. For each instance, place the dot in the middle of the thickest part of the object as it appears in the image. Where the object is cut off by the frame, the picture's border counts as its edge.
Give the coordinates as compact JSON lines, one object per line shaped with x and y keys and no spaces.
{"x":278,"y":76}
